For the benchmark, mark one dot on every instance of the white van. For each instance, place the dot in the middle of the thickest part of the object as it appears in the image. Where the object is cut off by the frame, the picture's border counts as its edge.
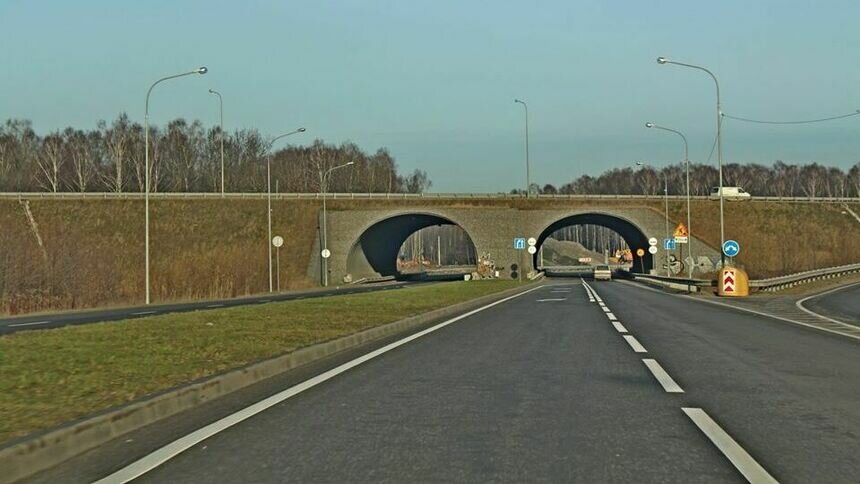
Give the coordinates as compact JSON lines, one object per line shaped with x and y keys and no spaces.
{"x":729,"y":193}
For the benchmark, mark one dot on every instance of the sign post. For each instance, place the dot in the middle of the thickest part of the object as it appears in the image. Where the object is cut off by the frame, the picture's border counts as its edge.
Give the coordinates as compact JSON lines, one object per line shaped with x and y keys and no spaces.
{"x":278,"y":241}
{"x":732,"y":282}
{"x":682,"y":236}
{"x":520,"y":246}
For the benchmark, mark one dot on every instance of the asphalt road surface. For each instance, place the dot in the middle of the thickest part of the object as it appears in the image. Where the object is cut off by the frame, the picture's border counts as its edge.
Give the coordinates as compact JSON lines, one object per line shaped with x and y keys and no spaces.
{"x":555,"y":385}
{"x":842,"y":304}
{"x":56,"y":320}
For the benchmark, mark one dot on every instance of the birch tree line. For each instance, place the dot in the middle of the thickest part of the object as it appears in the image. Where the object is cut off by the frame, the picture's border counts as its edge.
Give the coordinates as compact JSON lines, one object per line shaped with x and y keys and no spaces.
{"x":185,"y":157}
{"x":781,"y":179}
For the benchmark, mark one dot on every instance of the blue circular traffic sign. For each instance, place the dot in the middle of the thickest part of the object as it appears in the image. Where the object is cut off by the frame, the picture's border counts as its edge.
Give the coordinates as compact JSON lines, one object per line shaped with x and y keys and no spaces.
{"x":731,"y":248}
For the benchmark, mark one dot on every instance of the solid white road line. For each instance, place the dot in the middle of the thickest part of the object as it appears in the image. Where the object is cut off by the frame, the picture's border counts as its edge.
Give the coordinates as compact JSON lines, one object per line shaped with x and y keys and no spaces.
{"x":588,"y":290}
{"x":611,"y":317}
{"x":35,"y":323}
{"x":746,"y":310}
{"x":551,"y":299}
{"x":634,"y":343}
{"x":171,"y":450}
{"x":742,"y":461}
{"x":215,"y":306}
{"x":141,"y":313}
{"x":619,"y":327}
{"x":803,"y":308}
{"x":662,"y":377}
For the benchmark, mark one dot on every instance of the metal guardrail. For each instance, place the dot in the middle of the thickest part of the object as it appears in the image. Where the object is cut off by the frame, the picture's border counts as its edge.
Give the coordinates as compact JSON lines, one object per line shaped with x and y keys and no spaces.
{"x":776,"y":283}
{"x":390,"y":196}
{"x":678,"y":280}
{"x":771,"y":284}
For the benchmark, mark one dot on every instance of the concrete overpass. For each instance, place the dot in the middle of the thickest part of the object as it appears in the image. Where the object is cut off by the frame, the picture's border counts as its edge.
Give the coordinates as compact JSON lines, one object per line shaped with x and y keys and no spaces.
{"x":365,"y":242}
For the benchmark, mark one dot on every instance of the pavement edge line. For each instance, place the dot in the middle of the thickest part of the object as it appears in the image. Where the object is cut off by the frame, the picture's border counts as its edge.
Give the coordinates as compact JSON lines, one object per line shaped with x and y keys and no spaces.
{"x":47,"y":449}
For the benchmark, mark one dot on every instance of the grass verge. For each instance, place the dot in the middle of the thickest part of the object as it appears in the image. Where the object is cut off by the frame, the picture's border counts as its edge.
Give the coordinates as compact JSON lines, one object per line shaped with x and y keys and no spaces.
{"x":52,"y":376}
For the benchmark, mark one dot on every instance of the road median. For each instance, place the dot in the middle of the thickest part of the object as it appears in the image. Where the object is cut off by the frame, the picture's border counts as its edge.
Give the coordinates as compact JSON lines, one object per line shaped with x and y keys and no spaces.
{"x":106,"y":380}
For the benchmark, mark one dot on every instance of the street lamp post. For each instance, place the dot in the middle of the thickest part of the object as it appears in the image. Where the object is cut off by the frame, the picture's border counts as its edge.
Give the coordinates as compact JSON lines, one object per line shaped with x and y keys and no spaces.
{"x":199,"y":70}
{"x":528,"y":170}
{"x":324,"y":189}
{"x":663,"y":60}
{"x":687,"y":164}
{"x":666,"y":199}
{"x":269,"y":199}
{"x":221,"y":104}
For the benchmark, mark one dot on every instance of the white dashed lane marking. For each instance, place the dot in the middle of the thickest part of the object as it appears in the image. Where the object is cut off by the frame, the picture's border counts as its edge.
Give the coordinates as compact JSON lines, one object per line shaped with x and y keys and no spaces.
{"x":635,"y":344}
{"x":619,"y":327}
{"x":662,"y":377}
{"x":742,"y":461}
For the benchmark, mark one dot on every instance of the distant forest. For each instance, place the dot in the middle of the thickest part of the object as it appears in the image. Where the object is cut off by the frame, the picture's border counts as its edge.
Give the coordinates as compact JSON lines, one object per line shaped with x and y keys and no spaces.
{"x":779,"y":180}
{"x":186,"y":157}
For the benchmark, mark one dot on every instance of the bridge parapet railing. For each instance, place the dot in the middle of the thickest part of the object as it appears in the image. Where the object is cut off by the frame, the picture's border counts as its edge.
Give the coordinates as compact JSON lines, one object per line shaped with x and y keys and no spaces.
{"x":393,"y":196}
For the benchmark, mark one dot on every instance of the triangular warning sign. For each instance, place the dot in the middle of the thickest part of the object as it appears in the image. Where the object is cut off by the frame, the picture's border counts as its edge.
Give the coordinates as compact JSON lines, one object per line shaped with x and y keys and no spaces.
{"x":681,"y":230}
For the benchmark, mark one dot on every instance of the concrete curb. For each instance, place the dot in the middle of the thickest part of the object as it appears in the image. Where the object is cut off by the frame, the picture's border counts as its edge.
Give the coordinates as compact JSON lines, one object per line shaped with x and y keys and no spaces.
{"x":47,"y":449}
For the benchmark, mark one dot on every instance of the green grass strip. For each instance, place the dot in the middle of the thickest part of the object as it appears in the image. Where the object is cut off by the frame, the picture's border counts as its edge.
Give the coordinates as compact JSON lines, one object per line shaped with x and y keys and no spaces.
{"x":48,"y":377}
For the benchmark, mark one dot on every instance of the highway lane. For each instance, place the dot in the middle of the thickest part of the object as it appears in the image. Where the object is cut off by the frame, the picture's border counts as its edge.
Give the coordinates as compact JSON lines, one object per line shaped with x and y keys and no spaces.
{"x":59,"y":319}
{"x":541,"y":388}
{"x":788,"y":393}
{"x":841,"y":304}
{"x":550,"y":387}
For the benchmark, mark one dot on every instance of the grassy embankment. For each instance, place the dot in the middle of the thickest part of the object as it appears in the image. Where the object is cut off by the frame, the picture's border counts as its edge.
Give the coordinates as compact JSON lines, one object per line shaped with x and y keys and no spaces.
{"x":217,"y":248}
{"x":778,"y":238}
{"x":49,"y":377}
{"x":93,"y":251}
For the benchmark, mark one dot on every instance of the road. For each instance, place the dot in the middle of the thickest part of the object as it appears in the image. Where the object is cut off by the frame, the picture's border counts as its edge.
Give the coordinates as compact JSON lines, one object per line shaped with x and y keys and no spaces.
{"x":841,"y":304}
{"x":636,"y":386}
{"x":56,"y":320}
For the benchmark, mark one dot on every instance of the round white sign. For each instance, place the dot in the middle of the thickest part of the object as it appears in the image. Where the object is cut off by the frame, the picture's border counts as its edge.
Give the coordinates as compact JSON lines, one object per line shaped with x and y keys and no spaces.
{"x":532,"y":249}
{"x":325,"y":253}
{"x":652,"y":241}
{"x":652,"y":249}
{"x":277,"y":241}
{"x":532,"y":242}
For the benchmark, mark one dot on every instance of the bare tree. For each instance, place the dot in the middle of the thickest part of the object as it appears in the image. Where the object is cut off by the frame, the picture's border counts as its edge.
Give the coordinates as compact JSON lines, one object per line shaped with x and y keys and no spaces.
{"x":82,"y":149}
{"x":50,"y":161}
{"x":854,"y":177}
{"x":117,"y":140}
{"x":813,"y":177}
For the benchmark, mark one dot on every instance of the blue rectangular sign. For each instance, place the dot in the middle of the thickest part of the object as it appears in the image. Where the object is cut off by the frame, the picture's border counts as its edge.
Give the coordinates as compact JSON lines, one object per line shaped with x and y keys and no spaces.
{"x":520,"y":243}
{"x":669,"y":244}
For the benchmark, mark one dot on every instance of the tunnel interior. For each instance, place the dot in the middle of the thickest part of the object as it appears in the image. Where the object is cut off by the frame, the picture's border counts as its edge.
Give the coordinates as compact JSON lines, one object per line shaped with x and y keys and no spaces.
{"x":629,"y":232}
{"x":380,"y":250}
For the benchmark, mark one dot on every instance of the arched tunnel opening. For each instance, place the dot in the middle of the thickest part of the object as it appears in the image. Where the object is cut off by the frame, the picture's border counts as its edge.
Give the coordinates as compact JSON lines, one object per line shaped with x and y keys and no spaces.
{"x":574,"y":244}
{"x":413,"y":247}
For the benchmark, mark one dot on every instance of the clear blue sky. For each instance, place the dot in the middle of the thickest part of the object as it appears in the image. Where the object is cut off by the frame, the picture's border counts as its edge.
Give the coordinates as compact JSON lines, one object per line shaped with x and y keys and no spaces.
{"x":434,"y":81}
